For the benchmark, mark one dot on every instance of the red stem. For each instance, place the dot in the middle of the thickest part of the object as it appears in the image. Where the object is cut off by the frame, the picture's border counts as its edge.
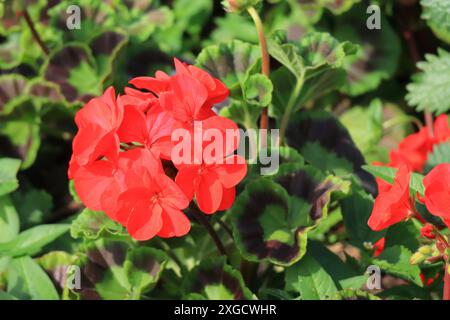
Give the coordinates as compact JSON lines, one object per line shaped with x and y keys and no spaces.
{"x":446,"y":295}
{"x":265,"y":68}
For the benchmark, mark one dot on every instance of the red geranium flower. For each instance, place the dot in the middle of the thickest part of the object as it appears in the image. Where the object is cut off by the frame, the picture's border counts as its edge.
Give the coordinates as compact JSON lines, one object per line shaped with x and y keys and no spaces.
{"x":427,"y":231}
{"x":413,"y":151}
{"x":379,"y":247}
{"x":186,"y":100}
{"x":217,"y":91}
{"x":152,"y":204}
{"x":159,"y":84}
{"x":97,"y":124}
{"x":115,"y":163}
{"x":143,"y":101}
{"x":153,"y":130}
{"x":437,"y":192}
{"x":393,"y":205}
{"x":441,"y":129}
{"x":212,"y":177}
{"x":383,"y":186}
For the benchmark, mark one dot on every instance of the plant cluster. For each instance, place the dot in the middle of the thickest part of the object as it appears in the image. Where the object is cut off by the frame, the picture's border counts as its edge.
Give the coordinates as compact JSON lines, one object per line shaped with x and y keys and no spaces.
{"x":115,"y":184}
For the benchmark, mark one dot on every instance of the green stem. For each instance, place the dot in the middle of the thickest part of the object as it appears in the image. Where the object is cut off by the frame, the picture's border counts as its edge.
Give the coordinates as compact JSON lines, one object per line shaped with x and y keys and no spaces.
{"x":265,"y":68}
{"x":289,"y":108}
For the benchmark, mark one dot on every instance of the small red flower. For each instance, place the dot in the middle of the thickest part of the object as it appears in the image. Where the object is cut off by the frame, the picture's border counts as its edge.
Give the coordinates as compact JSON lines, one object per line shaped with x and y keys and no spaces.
{"x":186,"y":100}
{"x":383,"y":186}
{"x":153,"y":130}
{"x":217,"y":91}
{"x":437,"y":192}
{"x":143,"y":101}
{"x":393,"y":205}
{"x":413,"y":151}
{"x":213,"y":177}
{"x":441,"y":129}
{"x":97,"y":124}
{"x":152,"y":204}
{"x":379,"y":247}
{"x":427,"y":231}
{"x":428,"y":281}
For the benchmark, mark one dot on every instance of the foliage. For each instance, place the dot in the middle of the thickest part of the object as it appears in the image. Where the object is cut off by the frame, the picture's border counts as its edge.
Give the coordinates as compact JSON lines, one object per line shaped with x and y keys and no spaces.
{"x":346,"y":99}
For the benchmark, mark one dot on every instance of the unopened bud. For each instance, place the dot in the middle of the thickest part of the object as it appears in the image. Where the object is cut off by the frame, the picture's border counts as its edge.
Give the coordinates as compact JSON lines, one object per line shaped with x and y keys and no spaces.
{"x":417,"y":258}
{"x":239,"y":5}
{"x":425,"y":250}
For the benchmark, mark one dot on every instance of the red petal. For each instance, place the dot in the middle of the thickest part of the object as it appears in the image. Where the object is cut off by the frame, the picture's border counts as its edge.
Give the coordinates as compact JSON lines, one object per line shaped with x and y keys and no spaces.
{"x":175,"y":223}
{"x":134,"y":126}
{"x":170,"y":192}
{"x":92,"y":181}
{"x":208,"y":192}
{"x":185,"y":179}
{"x":228,"y":197}
{"x":232,"y":171}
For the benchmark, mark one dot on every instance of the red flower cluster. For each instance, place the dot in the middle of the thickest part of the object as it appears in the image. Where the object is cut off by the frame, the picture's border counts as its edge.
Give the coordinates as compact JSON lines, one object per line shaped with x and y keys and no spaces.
{"x":124,"y":144}
{"x":394,"y":203}
{"x":414,"y":149}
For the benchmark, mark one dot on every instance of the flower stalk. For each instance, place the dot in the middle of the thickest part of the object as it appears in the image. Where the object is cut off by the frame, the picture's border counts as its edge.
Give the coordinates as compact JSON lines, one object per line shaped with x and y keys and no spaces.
{"x":202,"y":220}
{"x":34,"y":32}
{"x":265,"y":68}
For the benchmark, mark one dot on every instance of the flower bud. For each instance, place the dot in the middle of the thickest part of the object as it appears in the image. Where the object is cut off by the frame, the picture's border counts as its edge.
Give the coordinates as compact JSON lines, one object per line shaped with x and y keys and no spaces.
{"x":427,"y":231}
{"x":425,"y":250}
{"x":417,"y":258}
{"x":239,"y":5}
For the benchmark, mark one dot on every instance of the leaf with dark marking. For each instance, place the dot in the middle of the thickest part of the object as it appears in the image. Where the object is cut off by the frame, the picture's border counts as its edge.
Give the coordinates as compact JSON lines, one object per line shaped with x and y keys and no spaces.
{"x":213,"y":279}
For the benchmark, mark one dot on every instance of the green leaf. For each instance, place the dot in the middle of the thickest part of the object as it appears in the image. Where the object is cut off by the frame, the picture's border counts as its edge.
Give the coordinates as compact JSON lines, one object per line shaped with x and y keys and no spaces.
{"x":326,"y":144}
{"x":57,"y":264}
{"x":356,"y":210}
{"x":310,"y":280}
{"x":315,"y":62}
{"x":33,"y":206}
{"x":281,"y":213}
{"x":440,"y":154}
{"x":12,"y":88}
{"x":74,"y":70}
{"x":388,"y":175}
{"x":117,"y":270}
{"x":93,"y":225}
{"x":258,"y":90}
{"x":352,"y":294}
{"x":31,"y":241}
{"x":365,"y":125}
{"x":287,"y":54}
{"x":377,"y":56}
{"x":343,"y":275}
{"x":105,"y":48}
{"x":9,"y":220}
{"x":22,"y":127}
{"x":265,"y":206}
{"x":8,"y":171}
{"x":6,"y":295}
{"x":213,"y":279}
{"x":395,"y":260}
{"x":437,"y":15}
{"x":231,"y":62}
{"x":143,"y":268}
{"x":29,"y":278}
{"x":242,"y":113}
{"x":430,"y":89}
